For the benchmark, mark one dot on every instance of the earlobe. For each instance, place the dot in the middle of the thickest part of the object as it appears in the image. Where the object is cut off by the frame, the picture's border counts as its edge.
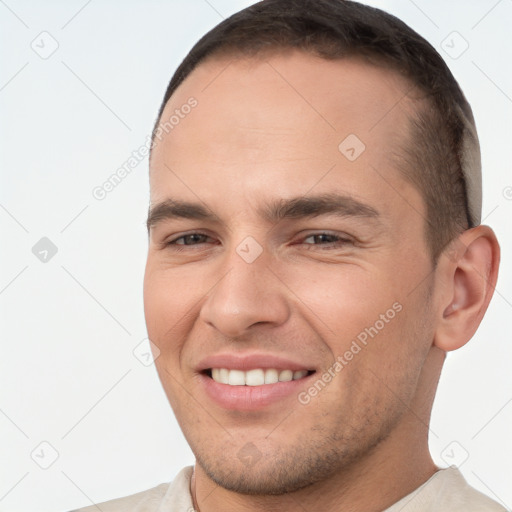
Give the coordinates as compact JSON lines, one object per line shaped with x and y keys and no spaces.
{"x":468,"y":269}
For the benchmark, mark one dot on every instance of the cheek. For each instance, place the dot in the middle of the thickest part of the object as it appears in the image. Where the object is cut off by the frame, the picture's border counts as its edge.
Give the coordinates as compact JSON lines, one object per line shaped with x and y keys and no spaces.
{"x":392,"y":358}
{"x":342,"y":301}
{"x":166,"y":303}
{"x":167,"y":308}
{"x":369,"y":319}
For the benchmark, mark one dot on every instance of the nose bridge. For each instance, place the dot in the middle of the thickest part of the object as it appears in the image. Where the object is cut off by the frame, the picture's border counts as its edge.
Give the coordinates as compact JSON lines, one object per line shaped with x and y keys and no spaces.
{"x":248,"y":293}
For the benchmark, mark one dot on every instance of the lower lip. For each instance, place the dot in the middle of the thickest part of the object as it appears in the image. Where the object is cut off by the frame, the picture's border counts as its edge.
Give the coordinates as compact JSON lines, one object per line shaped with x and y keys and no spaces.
{"x":250,"y":398}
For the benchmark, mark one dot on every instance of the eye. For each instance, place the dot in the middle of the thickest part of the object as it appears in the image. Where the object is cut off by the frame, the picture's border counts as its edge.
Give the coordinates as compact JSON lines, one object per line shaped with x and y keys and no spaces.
{"x":189,"y":239}
{"x":322,"y":240}
{"x":327,"y":240}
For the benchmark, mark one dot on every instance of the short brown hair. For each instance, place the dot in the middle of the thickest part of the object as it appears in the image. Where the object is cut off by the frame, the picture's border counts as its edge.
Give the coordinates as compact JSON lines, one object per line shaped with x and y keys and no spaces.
{"x":441,"y":157}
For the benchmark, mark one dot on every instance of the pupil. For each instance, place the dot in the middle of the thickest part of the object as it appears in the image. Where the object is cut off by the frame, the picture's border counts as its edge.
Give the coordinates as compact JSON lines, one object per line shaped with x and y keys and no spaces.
{"x":191,"y":239}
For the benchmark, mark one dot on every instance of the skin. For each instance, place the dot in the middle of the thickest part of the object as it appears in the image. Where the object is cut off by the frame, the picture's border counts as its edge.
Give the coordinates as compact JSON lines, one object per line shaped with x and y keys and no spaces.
{"x":269,"y":128}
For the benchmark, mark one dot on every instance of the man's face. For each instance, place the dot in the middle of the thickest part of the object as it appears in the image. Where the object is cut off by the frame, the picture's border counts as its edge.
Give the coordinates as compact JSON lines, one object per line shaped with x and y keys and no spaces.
{"x":251,"y":287}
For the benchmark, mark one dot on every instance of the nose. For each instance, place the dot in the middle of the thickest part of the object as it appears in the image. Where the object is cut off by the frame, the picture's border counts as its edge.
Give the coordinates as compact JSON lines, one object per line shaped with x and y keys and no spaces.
{"x":248,"y":294}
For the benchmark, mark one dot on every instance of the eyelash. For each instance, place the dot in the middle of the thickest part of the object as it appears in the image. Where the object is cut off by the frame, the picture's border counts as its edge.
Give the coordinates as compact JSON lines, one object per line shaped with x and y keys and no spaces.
{"x":327,"y":246}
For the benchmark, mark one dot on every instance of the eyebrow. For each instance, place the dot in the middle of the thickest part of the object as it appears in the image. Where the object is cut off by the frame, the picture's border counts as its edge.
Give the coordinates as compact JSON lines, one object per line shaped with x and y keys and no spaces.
{"x":274,"y":211}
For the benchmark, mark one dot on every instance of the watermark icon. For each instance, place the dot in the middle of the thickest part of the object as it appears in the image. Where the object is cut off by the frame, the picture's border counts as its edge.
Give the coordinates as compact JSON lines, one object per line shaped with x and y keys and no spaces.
{"x":360,"y":342}
{"x":455,"y":454}
{"x":249,"y":249}
{"x":44,"y":454}
{"x":507,"y":193}
{"x":100,"y":192}
{"x":249,"y":454}
{"x":351,"y":147}
{"x":44,"y":250}
{"x":45,"y":45}
{"x":454,"y":45}
{"x":146,"y":353}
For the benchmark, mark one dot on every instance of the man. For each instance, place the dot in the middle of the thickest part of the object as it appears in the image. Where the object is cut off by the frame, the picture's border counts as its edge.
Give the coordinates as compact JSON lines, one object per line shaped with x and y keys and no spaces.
{"x":315,"y":251}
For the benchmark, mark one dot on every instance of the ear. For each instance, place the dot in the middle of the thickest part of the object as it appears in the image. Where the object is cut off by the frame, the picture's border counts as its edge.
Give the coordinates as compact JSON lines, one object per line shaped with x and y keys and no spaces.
{"x":467,"y":272}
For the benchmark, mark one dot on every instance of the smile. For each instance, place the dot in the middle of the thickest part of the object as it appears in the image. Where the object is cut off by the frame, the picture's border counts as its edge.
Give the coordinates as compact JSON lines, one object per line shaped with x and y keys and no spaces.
{"x":255,"y":377}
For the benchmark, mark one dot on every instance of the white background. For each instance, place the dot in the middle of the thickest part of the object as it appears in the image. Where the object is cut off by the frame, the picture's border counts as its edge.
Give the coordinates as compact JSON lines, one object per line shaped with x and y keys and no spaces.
{"x":69,"y":326}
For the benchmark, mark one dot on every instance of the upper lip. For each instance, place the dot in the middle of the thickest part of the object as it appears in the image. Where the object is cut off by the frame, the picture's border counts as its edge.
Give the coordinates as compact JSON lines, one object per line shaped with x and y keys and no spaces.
{"x":252,"y":361}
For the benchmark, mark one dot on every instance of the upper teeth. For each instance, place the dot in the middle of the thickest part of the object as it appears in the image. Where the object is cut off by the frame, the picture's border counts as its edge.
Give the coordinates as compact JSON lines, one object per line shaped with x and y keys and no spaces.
{"x":256,"y":377}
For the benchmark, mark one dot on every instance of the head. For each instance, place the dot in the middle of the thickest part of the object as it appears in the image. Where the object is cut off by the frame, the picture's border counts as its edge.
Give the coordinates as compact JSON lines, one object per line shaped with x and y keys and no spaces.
{"x":317,"y":210}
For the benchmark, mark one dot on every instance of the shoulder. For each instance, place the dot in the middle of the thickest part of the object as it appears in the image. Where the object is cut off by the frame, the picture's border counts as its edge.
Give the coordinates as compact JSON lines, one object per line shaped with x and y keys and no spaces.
{"x":459,"y":495}
{"x":447,"y":490}
{"x":172,"y":493}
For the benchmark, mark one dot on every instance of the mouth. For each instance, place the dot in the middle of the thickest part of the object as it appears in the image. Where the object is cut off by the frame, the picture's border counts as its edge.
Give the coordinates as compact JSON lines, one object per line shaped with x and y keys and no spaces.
{"x":256,"y":376}
{"x":252,"y":381}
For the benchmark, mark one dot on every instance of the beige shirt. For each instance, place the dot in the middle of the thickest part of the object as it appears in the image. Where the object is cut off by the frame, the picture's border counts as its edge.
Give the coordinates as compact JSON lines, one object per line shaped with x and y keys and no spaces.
{"x":445,"y":491}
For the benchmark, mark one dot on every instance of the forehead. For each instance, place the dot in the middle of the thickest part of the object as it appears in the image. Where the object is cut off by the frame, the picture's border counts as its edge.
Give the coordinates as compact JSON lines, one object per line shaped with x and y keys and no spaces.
{"x":279,"y":125}
{"x":362,"y":94}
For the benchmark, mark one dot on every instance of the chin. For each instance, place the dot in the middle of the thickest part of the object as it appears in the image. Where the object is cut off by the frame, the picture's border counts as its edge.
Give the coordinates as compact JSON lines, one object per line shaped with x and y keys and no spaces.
{"x":248,"y":471}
